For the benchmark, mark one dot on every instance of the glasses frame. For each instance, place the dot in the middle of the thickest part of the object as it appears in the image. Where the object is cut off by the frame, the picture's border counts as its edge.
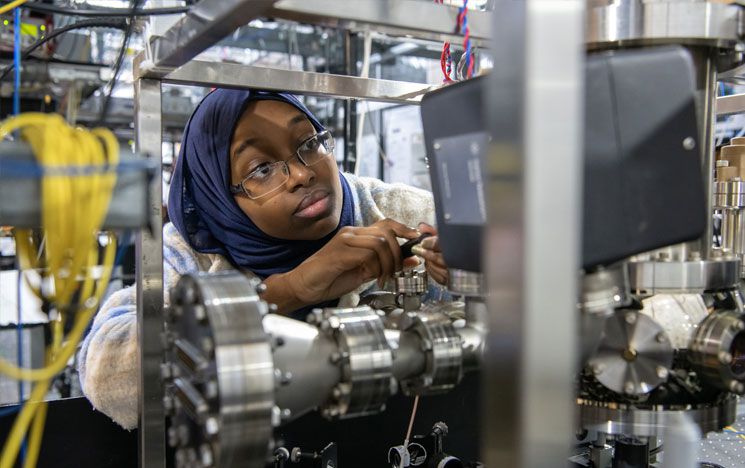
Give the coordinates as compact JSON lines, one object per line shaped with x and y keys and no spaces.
{"x":238,"y":189}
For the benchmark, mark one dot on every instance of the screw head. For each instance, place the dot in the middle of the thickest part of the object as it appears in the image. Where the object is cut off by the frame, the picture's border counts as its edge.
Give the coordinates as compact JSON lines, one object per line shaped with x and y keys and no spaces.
{"x":437,"y":146}
{"x":661,"y":338}
{"x":261,"y":288}
{"x":737,"y":387}
{"x":629,"y":387}
{"x":597,"y":369}
{"x":662,"y":372}
{"x":211,"y":426}
{"x":199,"y":312}
{"x":630,"y":318}
{"x":689,"y":143}
{"x":725,"y":358}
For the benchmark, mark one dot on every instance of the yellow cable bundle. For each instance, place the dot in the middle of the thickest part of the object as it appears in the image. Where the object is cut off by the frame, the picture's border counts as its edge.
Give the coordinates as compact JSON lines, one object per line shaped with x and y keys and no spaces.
{"x":74,"y":206}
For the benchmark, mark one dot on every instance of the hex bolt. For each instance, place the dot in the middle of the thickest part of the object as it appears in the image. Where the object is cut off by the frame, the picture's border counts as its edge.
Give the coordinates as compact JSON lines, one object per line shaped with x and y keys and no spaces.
{"x":261,"y":288}
{"x":629,"y":387}
{"x":199,"y":313}
{"x":273,"y":308}
{"x":597,"y":369}
{"x":336,"y":392}
{"x":168,"y":405}
{"x":286,"y":378}
{"x":208,"y":346}
{"x":737,"y":387}
{"x":183,"y":434}
{"x":725,"y":358}
{"x":205,"y":455}
{"x":211,"y":426}
{"x":738,"y":326}
{"x":630,"y":318}
{"x":662,"y":372}
{"x":173,"y":438}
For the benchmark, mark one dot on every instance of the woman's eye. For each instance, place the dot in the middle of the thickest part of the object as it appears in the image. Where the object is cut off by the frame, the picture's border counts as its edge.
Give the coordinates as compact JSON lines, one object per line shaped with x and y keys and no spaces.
{"x":262,"y":170}
{"x":311,"y":145}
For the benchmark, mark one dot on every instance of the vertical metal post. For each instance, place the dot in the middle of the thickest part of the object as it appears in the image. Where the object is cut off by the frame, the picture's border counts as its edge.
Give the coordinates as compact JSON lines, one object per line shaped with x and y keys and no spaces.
{"x":149,"y":248}
{"x":350,"y":107}
{"x":704,"y":60}
{"x":533,"y":238}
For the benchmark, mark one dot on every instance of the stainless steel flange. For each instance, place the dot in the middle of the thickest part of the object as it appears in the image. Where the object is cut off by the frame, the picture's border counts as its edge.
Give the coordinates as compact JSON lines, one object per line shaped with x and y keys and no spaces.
{"x":444,"y":354}
{"x":365,"y":358}
{"x":219,"y":372}
{"x":717,"y":350}
{"x":694,"y":276}
{"x":613,"y":23}
{"x":634,"y":356}
{"x":617,"y":418}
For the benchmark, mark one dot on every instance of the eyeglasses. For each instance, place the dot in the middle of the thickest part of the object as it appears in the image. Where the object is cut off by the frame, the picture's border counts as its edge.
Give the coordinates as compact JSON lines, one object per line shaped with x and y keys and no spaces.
{"x":269,"y":177}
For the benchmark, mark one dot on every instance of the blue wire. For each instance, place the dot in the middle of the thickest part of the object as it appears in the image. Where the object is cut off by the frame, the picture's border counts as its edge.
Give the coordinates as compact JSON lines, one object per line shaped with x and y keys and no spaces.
{"x":17,"y":60}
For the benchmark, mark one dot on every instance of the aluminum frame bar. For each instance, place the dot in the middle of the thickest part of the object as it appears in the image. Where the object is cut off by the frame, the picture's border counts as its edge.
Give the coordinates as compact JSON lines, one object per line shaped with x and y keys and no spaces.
{"x":149,"y":268}
{"x":206,"y":23}
{"x":732,"y":104}
{"x":391,"y":17}
{"x":232,"y":75}
{"x":534,"y":186}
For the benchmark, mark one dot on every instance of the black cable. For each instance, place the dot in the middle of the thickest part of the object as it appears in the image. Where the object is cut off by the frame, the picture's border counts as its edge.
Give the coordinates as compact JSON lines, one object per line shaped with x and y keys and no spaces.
{"x":105,"y":12}
{"x":119,"y":62}
{"x":90,"y":23}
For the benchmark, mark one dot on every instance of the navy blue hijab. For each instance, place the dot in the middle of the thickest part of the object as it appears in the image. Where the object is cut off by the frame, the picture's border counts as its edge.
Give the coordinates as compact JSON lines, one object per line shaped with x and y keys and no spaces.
{"x":201,"y":206}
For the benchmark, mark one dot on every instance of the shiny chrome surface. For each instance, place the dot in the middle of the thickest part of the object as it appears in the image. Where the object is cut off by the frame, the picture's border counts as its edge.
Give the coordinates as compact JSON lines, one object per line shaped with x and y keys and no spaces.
{"x":612,"y":23}
{"x":533,"y":201}
{"x":465,"y":283}
{"x":149,"y":270}
{"x":444,"y":358}
{"x":226,"y":405}
{"x":634,"y":356}
{"x":652,"y":277}
{"x":365,"y":359}
{"x":616,"y":418}
{"x":717,"y":350}
{"x":302,"y":359}
{"x":206,"y":23}
{"x":411,"y":282}
{"x":729,"y":194}
{"x":391,"y":17}
{"x":605,"y":289}
{"x":232,"y":75}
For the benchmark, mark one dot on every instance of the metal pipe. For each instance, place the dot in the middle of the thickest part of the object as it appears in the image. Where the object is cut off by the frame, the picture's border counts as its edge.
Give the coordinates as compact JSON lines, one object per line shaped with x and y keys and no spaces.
{"x":303,"y":364}
{"x":409,"y":359}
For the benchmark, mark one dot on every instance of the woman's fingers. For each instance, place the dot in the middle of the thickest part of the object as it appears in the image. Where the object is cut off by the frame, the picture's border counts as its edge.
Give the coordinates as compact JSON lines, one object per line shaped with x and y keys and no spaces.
{"x":390,"y":237}
{"x":400,"y":230}
{"x":432,"y":243}
{"x":438,"y":273}
{"x":378,"y":245}
{"x":425,"y":228}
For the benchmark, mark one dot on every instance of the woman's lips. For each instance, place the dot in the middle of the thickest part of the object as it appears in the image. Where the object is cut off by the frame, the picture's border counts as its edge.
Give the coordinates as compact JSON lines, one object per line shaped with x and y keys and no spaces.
{"x":314,"y":205}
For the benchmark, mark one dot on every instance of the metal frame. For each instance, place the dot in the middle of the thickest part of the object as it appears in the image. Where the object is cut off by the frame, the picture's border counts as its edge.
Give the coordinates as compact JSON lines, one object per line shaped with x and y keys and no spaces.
{"x":534,"y":186}
{"x":536,"y":301}
{"x":733,"y":104}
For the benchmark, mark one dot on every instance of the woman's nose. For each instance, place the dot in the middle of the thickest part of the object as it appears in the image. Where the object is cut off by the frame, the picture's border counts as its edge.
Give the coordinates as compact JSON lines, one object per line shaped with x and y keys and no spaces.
{"x":300,"y":175}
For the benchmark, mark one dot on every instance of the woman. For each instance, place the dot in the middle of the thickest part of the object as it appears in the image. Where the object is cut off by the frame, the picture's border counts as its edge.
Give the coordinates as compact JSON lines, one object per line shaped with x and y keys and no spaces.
{"x":256,"y":187}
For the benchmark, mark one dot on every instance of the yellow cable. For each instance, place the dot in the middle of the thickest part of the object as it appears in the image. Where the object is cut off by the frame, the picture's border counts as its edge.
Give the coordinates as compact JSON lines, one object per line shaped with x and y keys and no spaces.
{"x":37,"y":432}
{"x":11,"y":5}
{"x":20,"y":426}
{"x":73,"y":209}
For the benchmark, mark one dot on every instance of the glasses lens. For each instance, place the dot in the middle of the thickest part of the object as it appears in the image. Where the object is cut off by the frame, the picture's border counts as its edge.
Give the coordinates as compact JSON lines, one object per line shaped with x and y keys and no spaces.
{"x":317,"y":148}
{"x":265,"y":179}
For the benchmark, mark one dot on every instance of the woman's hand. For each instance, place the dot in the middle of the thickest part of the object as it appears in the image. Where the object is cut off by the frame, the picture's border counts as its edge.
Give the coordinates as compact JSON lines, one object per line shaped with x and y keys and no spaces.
{"x":352,"y":257}
{"x":431,"y":252}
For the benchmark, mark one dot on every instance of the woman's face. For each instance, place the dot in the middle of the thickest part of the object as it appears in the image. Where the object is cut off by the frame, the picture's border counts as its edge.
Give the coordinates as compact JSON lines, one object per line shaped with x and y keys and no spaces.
{"x":308,"y":205}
